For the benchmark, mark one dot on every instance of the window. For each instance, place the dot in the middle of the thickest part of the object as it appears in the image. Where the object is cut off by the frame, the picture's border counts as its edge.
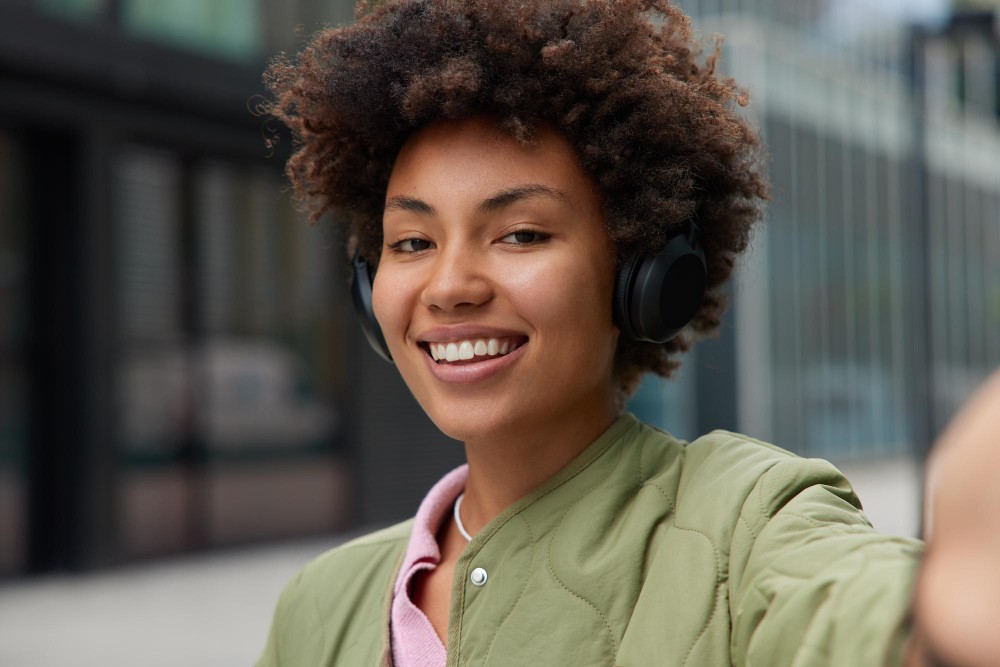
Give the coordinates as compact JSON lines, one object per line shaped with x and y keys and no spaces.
{"x":229,"y":29}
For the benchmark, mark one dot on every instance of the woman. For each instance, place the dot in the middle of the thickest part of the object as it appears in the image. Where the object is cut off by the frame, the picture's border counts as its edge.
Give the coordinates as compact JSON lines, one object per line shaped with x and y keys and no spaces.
{"x":517,"y":176}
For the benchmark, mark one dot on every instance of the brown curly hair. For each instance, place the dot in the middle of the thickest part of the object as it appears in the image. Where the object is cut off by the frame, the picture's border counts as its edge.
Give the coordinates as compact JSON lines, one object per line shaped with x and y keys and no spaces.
{"x":622,"y":80}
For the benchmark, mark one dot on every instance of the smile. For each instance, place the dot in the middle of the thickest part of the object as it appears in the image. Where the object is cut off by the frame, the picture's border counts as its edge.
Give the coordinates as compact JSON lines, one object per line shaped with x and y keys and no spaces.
{"x":472,"y":350}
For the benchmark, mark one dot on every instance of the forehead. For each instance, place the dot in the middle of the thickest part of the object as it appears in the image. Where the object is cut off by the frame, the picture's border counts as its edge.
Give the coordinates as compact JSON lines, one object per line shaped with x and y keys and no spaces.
{"x":465,"y":160}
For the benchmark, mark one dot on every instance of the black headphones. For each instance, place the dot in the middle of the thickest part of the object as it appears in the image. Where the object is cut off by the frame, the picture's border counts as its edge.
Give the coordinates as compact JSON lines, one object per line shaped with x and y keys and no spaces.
{"x":361,"y":294}
{"x":655,"y":295}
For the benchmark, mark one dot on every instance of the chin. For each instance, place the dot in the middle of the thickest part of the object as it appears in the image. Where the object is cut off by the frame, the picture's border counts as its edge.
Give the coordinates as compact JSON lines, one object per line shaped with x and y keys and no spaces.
{"x":471,"y":421}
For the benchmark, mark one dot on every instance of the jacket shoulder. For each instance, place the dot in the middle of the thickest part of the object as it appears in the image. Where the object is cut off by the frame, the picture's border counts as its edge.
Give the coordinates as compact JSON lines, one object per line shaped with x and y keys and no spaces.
{"x":750,"y":465}
{"x":808,"y":577}
{"x":722,"y":443}
{"x":337,"y":600}
{"x":335,"y":567}
{"x":365,"y":558}
{"x":385,"y":537}
{"x":729,"y":478}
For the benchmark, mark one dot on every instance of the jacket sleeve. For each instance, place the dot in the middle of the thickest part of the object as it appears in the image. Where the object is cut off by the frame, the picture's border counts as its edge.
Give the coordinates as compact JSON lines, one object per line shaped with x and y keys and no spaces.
{"x":811,"y":582}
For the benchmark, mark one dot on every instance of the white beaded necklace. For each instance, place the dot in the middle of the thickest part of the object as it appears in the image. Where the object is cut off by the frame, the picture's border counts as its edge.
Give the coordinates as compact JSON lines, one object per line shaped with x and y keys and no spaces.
{"x":458,"y":519}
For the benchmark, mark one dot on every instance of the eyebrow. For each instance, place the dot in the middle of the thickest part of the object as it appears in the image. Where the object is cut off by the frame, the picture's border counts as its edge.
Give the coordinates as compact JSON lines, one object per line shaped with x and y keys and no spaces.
{"x":517,"y":193}
{"x":411,"y":204}
{"x":493,"y":203}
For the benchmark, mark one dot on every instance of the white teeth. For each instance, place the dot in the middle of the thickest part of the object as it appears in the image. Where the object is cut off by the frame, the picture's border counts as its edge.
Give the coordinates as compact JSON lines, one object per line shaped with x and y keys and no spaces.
{"x":463,"y":350}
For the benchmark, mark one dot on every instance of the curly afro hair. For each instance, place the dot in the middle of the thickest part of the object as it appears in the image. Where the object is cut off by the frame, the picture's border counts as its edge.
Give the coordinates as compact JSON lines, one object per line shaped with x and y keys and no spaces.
{"x":622,"y":80}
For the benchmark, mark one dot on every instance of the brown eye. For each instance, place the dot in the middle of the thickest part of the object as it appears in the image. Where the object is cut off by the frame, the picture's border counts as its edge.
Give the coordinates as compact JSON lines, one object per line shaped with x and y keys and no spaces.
{"x":524,"y":237}
{"x":412,"y":245}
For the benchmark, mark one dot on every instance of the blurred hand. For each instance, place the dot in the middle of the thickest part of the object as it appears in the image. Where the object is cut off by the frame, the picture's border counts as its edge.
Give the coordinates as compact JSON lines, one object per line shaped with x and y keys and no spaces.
{"x":958,"y":592}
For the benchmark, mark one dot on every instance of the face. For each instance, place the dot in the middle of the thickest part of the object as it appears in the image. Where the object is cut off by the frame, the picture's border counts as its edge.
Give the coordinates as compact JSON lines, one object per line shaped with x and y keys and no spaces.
{"x":495,"y":281}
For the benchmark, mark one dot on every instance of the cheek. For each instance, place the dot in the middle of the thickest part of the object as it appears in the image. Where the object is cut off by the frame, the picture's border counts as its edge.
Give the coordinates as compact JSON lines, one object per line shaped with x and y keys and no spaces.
{"x":561,"y":299}
{"x":388,"y":304}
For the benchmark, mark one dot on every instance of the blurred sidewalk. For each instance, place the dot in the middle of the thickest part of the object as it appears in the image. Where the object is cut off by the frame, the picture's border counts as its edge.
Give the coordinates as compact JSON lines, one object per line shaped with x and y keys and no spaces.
{"x":212,"y":610}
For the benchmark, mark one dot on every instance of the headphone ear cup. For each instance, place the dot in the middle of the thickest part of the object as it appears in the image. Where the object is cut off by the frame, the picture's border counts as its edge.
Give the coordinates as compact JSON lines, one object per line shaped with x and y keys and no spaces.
{"x":620,"y":305}
{"x":664,"y":291}
{"x":362,"y":279}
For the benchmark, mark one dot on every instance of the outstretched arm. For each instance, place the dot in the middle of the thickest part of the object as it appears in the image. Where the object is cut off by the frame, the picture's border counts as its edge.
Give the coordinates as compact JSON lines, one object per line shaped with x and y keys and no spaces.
{"x":957,"y":601}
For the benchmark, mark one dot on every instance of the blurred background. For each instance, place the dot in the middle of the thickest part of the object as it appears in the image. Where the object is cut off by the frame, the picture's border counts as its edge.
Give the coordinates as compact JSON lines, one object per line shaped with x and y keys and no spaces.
{"x":188,"y":411}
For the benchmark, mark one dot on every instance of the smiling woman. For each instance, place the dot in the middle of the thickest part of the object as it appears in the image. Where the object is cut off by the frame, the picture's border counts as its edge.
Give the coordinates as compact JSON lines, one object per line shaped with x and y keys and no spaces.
{"x":509,"y":245}
{"x":547,"y":192}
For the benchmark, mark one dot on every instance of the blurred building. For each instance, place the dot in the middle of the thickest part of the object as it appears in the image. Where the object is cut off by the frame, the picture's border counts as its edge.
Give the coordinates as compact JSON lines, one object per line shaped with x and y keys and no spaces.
{"x":869,"y":306}
{"x":179,"y":369}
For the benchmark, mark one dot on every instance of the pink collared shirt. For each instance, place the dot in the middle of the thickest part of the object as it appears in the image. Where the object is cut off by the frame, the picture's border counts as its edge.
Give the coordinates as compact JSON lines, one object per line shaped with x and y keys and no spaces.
{"x":414,"y":641}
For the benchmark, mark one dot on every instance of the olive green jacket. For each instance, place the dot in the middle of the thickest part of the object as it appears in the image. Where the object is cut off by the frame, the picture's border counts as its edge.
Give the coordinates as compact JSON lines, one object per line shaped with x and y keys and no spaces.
{"x":644,"y":550}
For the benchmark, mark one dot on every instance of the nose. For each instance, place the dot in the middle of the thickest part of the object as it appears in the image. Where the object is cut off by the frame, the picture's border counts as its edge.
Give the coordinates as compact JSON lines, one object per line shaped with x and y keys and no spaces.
{"x":456,"y":280}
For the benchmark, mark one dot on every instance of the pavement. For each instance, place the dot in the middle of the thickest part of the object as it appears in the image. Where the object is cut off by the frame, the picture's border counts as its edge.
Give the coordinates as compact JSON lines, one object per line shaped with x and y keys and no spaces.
{"x":212,"y":609}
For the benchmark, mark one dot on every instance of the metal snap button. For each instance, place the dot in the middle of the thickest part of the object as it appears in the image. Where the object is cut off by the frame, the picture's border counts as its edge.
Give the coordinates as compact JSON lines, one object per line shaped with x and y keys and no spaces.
{"x":478,"y":576}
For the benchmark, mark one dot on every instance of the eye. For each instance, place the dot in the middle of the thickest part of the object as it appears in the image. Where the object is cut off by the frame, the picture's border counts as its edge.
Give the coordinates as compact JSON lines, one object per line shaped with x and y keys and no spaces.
{"x":524,"y":237}
{"x":410,"y":245}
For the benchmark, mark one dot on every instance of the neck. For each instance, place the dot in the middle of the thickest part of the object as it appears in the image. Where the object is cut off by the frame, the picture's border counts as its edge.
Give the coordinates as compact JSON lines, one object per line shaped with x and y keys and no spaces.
{"x":505,"y":468}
